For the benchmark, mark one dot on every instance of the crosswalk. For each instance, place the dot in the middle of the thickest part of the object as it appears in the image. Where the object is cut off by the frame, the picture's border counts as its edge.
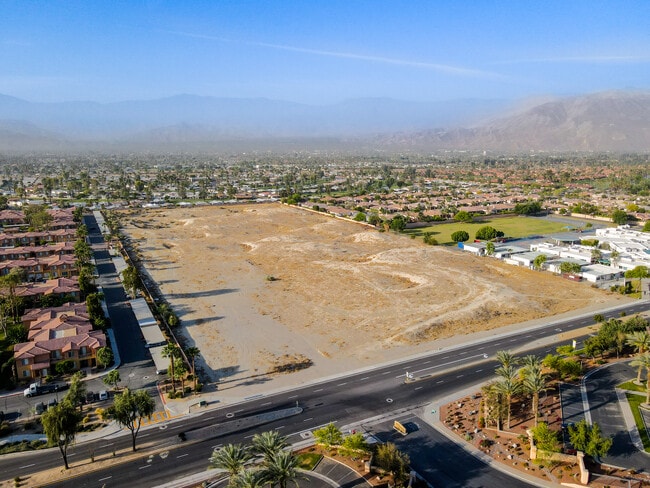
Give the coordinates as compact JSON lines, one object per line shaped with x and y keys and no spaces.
{"x":157,"y":417}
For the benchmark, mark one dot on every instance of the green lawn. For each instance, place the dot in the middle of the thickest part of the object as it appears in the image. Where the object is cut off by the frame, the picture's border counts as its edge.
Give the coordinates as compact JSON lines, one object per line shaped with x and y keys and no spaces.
{"x":635,"y":401}
{"x":631,"y":386}
{"x":308,"y":460}
{"x":510,"y":226}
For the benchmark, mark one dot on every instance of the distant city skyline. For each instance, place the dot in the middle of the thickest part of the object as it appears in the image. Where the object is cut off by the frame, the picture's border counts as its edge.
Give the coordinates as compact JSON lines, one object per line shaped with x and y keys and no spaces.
{"x":321,"y":52}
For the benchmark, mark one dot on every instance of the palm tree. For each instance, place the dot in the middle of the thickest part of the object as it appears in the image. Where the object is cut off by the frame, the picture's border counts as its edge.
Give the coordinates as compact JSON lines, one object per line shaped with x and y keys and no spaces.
{"x":283,"y":469}
{"x":531,"y":363}
{"x":643,"y":361}
{"x":269,"y":444}
{"x":249,"y":478}
{"x":231,"y":458}
{"x":639,"y":340}
{"x":192,"y":353}
{"x":506,"y":358}
{"x":534,"y":383}
{"x":508,"y":386}
{"x":171,"y":351}
{"x":492,"y":404}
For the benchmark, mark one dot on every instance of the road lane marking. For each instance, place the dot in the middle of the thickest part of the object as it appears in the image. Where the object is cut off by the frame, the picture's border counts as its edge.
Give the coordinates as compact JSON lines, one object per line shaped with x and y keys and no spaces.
{"x":265,"y":404}
{"x":142,"y":467}
{"x":386,"y":372}
{"x":292,"y":396}
{"x":240,"y":410}
{"x":108,"y":445}
{"x":27,"y":466}
{"x":342,"y":384}
{"x":364,"y":378}
{"x":460,"y":376}
{"x":104,"y":479}
{"x":182,"y":455}
{"x":438,"y":382}
{"x":249,"y":436}
{"x":478,"y":370}
{"x":427,"y":362}
{"x":144,"y":435}
{"x":316,"y":391}
{"x":281,"y":427}
{"x":209,"y":418}
{"x":307,"y":420}
{"x":418,"y":388}
{"x":448,"y":363}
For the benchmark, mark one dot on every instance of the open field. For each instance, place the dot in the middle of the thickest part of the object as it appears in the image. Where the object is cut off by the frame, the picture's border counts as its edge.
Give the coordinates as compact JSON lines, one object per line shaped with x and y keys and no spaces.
{"x":510,"y":226}
{"x":344,"y":295}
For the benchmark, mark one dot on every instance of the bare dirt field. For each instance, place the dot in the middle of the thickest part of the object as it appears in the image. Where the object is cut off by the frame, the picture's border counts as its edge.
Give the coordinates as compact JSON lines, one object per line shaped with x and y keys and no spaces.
{"x":260,"y":286}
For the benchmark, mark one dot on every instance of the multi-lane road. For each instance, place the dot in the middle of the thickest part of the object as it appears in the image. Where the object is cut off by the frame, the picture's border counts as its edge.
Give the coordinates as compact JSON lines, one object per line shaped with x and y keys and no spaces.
{"x":377,"y":394}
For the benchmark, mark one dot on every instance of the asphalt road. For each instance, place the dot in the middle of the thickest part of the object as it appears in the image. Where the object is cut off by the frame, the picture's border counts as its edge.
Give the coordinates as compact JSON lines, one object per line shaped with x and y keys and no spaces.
{"x":378,"y":393}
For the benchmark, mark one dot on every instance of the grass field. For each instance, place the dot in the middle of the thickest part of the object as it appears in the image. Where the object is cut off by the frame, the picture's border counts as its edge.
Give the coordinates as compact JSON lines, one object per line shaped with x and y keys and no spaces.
{"x":510,"y":226}
{"x":635,"y":401}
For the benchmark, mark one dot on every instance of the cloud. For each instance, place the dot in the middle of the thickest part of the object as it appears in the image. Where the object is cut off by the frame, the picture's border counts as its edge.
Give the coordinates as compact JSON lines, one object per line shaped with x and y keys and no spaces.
{"x":443,"y":68}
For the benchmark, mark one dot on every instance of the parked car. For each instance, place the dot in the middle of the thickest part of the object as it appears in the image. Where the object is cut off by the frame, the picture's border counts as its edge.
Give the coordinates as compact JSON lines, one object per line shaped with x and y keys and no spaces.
{"x":103,"y":395}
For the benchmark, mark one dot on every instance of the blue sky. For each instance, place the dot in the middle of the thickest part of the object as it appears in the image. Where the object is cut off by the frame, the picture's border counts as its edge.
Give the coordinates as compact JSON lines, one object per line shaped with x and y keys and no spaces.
{"x":321,"y":51}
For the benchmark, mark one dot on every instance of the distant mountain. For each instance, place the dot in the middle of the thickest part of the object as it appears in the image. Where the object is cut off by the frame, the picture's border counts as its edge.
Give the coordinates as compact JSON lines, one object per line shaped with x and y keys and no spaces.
{"x":610,"y":121}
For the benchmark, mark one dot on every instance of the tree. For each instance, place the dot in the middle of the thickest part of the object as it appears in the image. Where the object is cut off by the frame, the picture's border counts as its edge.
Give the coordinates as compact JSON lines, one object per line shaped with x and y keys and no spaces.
{"x":104,"y":356}
{"x":180,"y":371}
{"x":269,"y":443}
{"x":429,"y":239}
{"x":509,"y":385}
{"x":538,"y":262}
{"x":83,"y":253}
{"x":389,"y":458}
{"x":95,"y":310}
{"x":460,"y":236}
{"x":282,"y":468}
{"x":354,"y":444}
{"x":487,"y":233}
{"x":619,"y":217}
{"x":507,"y":359}
{"x":192,"y":353}
{"x":171,"y":351}
{"x":112,"y":378}
{"x":643,"y":361}
{"x":9,"y":282}
{"x":398,"y":223}
{"x":360,"y":217}
{"x":493,"y":411}
{"x":249,"y":478}
{"x":131,"y":280}
{"x":639,"y":340}
{"x":489,"y":248}
{"x":639,"y":273}
{"x":534,"y":383}
{"x":545,"y":438}
{"x":588,"y":439}
{"x":569,"y":268}
{"x":328,"y":436}
{"x":129,"y":408}
{"x":37,"y":217}
{"x":77,"y":391}
{"x":231,"y":458}
{"x":646,"y":226}
{"x":64,"y":367}
{"x":528,"y":208}
{"x":463,"y":216}
{"x":61,"y":424}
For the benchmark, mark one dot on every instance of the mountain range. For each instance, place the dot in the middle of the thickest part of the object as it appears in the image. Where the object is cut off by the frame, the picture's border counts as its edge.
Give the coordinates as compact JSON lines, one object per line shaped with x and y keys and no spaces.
{"x":616,"y":121}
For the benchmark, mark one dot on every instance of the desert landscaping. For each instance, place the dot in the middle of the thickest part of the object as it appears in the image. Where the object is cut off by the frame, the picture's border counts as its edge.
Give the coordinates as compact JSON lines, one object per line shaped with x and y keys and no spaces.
{"x":258,"y":287}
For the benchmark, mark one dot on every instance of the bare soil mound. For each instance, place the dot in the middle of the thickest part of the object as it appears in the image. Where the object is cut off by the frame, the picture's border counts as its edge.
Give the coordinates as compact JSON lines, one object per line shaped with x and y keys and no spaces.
{"x":253,"y":284}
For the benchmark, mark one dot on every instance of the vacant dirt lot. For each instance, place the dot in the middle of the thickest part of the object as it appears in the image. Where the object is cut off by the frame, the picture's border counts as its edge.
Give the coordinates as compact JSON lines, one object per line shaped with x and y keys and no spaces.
{"x":259,"y":286}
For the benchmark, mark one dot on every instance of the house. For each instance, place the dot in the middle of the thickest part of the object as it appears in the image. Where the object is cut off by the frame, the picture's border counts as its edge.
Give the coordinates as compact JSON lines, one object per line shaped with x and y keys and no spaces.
{"x":598,"y":273}
{"x":55,"y":335}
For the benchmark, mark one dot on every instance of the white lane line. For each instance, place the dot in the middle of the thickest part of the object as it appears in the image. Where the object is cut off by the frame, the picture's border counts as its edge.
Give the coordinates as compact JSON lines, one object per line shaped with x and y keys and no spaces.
{"x":107,"y":445}
{"x":406,"y":367}
{"x":460,"y":376}
{"x":316,"y":391}
{"x":249,"y":436}
{"x":240,"y":410}
{"x":281,"y":427}
{"x":209,"y":418}
{"x":427,"y":362}
{"x":265,"y":404}
{"x":364,"y":378}
{"x":307,"y":420}
{"x":386,"y":372}
{"x":418,"y":388}
{"x":104,"y":479}
{"x":292,"y":396}
{"x":142,"y":467}
{"x":438,"y":382}
{"x":27,"y":466}
{"x":448,"y":363}
{"x":478,"y":370}
{"x":144,"y":435}
{"x":182,"y":455}
{"x":342,"y":384}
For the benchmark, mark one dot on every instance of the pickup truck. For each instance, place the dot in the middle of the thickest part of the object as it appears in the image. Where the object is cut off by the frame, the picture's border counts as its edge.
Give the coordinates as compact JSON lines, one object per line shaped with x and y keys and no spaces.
{"x":37,"y":389}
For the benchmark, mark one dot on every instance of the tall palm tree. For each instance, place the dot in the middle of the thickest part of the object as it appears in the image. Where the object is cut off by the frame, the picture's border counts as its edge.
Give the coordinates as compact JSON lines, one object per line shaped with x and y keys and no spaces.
{"x":643,"y":361}
{"x":269,"y":444}
{"x":283,"y":469}
{"x":531,"y":363}
{"x":492,"y":404}
{"x":231,"y":458}
{"x":639,"y":340}
{"x":171,"y":351}
{"x":534,"y":383}
{"x":192,"y":353}
{"x":509,"y":386}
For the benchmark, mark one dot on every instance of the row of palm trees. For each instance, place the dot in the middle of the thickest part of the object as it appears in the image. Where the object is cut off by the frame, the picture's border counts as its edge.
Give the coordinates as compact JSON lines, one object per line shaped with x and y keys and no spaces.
{"x":640,"y":340}
{"x":177,"y":365}
{"x":277,"y":466}
{"x":516,"y":376}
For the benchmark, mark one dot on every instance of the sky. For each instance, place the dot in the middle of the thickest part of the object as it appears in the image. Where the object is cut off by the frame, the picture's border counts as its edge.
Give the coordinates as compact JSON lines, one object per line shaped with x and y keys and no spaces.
{"x":321,"y":51}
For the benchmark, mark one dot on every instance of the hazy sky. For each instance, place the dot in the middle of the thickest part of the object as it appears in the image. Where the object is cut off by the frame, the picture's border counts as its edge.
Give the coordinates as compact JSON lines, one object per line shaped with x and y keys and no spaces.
{"x":321,"y":51}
